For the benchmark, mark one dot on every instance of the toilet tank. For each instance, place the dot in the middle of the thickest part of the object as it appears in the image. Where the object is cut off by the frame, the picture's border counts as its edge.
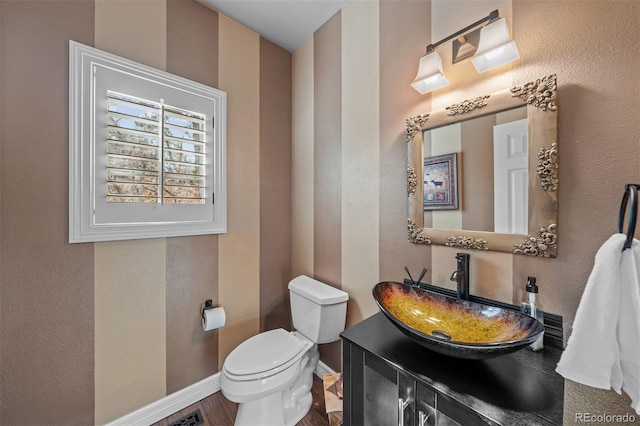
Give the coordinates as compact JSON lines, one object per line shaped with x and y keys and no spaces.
{"x":319,"y":311}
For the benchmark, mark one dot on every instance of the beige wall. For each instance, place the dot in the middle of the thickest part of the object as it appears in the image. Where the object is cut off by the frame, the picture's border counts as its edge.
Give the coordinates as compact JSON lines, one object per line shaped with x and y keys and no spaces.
{"x":130,"y":281}
{"x":91,"y":332}
{"x":360,"y":164}
{"x":598,"y":134}
{"x":239,"y":248}
{"x":405,"y":30}
{"x":591,"y":46}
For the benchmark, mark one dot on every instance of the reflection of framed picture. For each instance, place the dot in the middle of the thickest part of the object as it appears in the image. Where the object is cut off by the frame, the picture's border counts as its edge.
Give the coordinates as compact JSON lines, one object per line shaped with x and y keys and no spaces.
{"x":440,"y":182}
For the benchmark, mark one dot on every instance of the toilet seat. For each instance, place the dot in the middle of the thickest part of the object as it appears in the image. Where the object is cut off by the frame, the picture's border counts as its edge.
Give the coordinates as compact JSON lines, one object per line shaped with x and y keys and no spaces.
{"x":264,"y":355}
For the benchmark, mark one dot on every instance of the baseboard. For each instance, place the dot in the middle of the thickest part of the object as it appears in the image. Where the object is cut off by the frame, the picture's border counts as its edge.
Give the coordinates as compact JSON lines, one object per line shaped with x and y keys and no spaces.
{"x":322,"y":368}
{"x":183,"y":398}
{"x":170,"y":404}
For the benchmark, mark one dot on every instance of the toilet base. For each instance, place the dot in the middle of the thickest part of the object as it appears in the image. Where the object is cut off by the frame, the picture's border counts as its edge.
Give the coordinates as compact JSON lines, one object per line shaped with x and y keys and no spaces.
{"x":284,"y":408}
{"x":261,"y":411}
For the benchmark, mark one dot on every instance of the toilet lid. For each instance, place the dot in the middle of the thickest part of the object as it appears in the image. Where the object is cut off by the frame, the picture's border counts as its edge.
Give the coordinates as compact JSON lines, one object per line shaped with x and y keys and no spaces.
{"x":263,"y":352}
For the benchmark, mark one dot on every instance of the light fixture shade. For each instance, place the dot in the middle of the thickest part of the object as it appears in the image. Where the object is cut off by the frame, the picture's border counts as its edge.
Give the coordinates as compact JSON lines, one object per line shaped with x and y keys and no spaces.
{"x":430,"y":76}
{"x":495,"y":48}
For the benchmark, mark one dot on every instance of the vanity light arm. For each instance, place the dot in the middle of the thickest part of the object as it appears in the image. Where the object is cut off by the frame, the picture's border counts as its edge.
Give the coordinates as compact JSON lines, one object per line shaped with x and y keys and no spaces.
{"x":489,"y":18}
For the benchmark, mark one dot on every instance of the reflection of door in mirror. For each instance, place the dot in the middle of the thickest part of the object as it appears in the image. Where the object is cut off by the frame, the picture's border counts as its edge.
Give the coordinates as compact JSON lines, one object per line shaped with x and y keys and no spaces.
{"x":490,"y":199}
{"x":511,"y":177}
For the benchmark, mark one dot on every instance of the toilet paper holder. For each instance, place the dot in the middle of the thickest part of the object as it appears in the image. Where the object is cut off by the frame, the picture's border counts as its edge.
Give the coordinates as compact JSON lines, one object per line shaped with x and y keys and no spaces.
{"x":212,"y":317}
{"x":208,"y":304}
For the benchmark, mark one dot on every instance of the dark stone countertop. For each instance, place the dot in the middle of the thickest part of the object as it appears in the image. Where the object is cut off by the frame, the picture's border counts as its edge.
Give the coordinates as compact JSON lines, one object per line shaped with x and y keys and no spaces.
{"x":521,"y":388}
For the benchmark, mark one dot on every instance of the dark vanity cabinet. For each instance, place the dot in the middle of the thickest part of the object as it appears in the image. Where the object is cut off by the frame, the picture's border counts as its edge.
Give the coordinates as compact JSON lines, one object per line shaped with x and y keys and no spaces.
{"x":391,"y":397}
{"x":391,"y":380}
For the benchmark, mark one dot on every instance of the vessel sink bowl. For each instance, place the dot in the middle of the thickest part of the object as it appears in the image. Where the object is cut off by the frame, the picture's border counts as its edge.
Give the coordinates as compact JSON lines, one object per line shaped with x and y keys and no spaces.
{"x":454,"y":327}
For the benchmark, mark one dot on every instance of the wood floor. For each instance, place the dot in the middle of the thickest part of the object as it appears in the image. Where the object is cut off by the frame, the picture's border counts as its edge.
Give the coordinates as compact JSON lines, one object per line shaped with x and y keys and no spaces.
{"x":216,"y":410}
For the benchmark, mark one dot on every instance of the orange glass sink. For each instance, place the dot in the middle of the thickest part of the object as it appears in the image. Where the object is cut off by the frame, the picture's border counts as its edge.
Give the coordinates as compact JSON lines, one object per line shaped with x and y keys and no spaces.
{"x":454,"y":327}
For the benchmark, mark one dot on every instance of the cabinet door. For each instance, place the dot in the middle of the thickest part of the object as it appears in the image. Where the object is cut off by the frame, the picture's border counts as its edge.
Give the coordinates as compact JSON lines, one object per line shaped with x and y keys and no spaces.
{"x":380,"y":392}
{"x":376,"y":394}
{"x":389,"y":394}
{"x":406,"y":401}
{"x":434,"y":409}
{"x":425,"y":406}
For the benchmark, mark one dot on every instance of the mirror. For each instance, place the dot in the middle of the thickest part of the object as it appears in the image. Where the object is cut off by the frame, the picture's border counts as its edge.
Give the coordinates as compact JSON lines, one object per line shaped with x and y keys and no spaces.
{"x":494,"y":184}
{"x":464,"y":193}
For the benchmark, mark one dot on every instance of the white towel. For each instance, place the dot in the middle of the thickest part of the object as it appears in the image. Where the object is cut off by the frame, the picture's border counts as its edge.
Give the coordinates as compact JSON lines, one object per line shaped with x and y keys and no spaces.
{"x":629,"y":324}
{"x":603,"y":350}
{"x":592,"y":350}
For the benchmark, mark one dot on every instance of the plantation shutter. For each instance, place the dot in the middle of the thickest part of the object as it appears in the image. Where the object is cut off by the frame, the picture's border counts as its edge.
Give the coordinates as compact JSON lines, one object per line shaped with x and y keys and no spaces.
{"x":145,"y":160}
{"x":156,"y":152}
{"x":134,"y":150}
{"x":184,"y":156}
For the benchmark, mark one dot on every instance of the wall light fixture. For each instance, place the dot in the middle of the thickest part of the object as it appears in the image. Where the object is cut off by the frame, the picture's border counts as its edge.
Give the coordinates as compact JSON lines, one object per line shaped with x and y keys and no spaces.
{"x":486,"y":41}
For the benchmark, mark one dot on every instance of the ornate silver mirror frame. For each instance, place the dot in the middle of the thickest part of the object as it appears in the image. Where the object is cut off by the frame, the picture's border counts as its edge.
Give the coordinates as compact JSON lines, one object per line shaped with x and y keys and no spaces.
{"x":539,"y":97}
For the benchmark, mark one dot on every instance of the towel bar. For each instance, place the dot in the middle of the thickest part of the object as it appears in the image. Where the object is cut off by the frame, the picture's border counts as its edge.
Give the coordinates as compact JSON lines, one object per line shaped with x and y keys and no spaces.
{"x":630,"y":194}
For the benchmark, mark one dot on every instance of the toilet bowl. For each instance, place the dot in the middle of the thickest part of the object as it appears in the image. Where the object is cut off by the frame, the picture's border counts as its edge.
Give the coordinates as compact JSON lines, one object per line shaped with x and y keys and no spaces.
{"x":270,"y":375}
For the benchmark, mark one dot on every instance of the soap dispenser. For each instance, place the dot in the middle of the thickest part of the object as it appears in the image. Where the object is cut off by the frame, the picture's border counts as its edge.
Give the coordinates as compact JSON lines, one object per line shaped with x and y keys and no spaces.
{"x":530,"y":308}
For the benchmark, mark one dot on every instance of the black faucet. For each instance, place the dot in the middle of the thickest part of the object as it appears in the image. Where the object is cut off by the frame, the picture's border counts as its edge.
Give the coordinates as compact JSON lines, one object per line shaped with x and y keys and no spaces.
{"x":461,"y":275}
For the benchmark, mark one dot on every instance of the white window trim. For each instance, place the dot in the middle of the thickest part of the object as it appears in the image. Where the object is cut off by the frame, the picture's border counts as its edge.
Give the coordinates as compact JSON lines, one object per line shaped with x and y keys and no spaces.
{"x":82,"y":226}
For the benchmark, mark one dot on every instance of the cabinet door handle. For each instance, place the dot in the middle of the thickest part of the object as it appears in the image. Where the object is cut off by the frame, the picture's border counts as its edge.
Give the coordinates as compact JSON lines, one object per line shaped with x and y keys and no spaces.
{"x":423,"y":418}
{"x":402,"y":404}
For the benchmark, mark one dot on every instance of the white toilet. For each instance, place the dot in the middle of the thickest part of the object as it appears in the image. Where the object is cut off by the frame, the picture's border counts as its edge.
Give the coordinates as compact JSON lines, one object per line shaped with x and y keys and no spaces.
{"x":270,"y":375}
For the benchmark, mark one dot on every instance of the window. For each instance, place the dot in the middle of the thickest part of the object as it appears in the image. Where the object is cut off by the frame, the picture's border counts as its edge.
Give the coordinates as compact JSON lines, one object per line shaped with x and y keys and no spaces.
{"x":156,"y":152}
{"x":147,"y":151}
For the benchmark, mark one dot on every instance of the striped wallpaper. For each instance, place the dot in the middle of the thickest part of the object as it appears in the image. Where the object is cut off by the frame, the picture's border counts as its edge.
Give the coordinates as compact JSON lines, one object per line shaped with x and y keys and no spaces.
{"x":346,"y":97}
{"x":316,"y":185}
{"x":349,"y":151}
{"x":354,"y":117}
{"x":92,"y":332}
